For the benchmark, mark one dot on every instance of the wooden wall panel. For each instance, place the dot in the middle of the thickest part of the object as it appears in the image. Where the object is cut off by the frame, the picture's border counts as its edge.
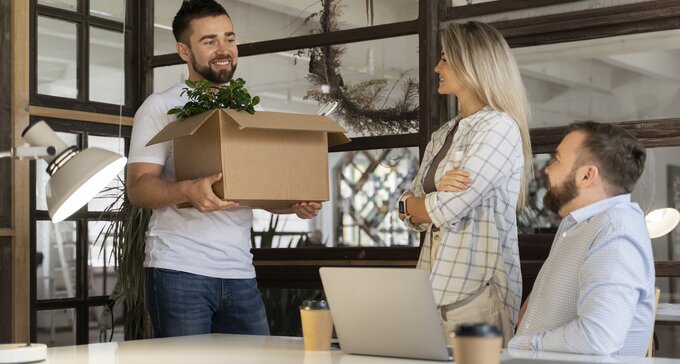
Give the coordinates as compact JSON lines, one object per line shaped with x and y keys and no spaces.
{"x":5,"y":114}
{"x":5,"y":286}
{"x":21,"y":274}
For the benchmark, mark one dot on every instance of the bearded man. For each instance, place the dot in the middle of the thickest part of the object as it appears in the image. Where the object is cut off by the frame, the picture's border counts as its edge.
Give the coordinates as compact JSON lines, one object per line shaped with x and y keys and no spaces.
{"x":595,"y":293}
{"x":199,"y":276}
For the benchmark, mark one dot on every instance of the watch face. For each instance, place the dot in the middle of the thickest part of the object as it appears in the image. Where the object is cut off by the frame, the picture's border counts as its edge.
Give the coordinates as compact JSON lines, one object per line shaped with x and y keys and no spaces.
{"x":402,"y":207}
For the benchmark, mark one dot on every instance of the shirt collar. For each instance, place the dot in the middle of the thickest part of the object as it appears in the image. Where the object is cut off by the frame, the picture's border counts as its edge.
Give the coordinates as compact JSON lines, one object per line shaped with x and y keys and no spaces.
{"x":469,"y":120}
{"x":593,"y":209}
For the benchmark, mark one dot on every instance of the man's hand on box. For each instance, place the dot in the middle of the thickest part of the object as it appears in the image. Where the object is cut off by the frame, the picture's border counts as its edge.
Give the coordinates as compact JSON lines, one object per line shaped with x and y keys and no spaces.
{"x":306,"y":210}
{"x":202,"y":197}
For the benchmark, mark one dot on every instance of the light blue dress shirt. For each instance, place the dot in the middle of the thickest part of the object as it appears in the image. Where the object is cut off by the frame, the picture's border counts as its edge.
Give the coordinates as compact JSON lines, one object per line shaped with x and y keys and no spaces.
{"x":595,"y":293}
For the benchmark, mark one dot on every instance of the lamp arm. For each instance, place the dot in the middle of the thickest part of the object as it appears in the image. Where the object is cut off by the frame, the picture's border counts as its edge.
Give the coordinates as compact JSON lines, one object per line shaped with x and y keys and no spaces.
{"x":28,"y":152}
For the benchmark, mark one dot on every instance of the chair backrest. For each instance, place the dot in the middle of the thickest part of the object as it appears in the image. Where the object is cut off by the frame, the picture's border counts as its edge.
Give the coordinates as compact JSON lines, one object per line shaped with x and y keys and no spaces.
{"x":650,"y":351}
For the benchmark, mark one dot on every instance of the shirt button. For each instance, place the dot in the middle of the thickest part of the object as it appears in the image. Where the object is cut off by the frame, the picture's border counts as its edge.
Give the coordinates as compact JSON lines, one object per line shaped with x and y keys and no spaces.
{"x":564,"y":235}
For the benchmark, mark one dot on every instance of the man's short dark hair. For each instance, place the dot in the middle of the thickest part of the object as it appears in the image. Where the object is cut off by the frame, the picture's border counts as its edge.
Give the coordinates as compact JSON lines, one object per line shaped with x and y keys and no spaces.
{"x":619,"y":156}
{"x":194,"y":9}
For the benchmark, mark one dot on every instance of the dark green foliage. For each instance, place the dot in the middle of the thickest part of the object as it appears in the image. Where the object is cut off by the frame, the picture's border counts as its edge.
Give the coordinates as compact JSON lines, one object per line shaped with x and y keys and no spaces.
{"x":283,"y":308}
{"x":204,"y":96}
{"x":128,"y":234}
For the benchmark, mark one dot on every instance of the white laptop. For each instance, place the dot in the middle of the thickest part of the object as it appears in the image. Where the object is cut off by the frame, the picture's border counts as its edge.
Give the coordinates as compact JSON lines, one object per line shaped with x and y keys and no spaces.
{"x":385,"y":312}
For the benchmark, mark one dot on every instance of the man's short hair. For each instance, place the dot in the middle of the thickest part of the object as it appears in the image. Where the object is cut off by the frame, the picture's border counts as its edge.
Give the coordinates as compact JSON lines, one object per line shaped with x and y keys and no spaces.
{"x":190,"y":10}
{"x":619,"y":156}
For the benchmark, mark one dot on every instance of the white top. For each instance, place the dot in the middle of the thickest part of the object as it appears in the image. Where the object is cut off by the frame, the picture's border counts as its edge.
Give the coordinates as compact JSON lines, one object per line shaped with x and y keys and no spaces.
{"x":245,"y":349}
{"x":595,"y":293}
{"x":213,"y":244}
{"x":478,"y":225}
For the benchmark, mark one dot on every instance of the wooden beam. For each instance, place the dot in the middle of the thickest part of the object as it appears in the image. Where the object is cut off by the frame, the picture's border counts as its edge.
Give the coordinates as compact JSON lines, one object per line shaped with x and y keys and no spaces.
{"x":50,"y":112}
{"x":652,"y":133}
{"x":592,"y":23}
{"x":21,"y":273}
{"x":309,"y":41}
{"x":494,"y":7}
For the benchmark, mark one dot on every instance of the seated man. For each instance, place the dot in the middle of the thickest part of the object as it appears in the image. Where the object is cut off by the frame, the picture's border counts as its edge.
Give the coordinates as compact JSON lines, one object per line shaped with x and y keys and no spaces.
{"x":595,"y":293}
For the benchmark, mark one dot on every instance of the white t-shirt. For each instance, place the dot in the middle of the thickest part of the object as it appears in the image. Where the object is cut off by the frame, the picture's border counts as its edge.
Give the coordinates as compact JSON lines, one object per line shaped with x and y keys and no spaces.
{"x":213,"y":244}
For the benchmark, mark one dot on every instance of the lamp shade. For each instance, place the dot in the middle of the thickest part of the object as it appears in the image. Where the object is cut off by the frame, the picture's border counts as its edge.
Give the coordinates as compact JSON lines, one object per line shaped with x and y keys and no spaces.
{"x":80,"y":179}
{"x":662,"y":221}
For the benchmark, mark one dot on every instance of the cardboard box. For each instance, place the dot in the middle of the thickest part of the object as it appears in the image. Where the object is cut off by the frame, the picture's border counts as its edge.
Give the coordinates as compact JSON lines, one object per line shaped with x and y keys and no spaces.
{"x":267,"y":159}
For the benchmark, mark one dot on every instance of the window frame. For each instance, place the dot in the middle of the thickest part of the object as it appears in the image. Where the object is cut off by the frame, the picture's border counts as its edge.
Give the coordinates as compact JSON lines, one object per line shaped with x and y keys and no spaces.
{"x":85,"y":118}
{"x":83,"y":21}
{"x":298,"y":268}
{"x":82,"y":301}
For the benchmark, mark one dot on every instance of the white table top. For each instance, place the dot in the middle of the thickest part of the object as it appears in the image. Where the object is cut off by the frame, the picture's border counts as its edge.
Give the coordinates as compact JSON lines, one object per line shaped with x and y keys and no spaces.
{"x":217,"y":348}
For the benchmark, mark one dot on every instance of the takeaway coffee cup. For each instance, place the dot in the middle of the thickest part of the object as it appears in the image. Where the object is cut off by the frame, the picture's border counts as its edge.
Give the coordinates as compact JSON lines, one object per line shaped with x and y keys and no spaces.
{"x":478,"y":343}
{"x":317,"y":325}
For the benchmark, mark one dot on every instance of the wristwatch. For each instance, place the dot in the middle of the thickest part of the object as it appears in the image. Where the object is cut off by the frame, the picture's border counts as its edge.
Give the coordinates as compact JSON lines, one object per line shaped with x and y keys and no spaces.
{"x":403,"y":209}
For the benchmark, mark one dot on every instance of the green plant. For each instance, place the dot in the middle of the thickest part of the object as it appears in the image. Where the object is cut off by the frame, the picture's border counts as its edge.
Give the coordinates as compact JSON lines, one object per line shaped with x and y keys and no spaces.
{"x":128,"y":233}
{"x":282,"y":305}
{"x":267,"y":236}
{"x":205,"y":96}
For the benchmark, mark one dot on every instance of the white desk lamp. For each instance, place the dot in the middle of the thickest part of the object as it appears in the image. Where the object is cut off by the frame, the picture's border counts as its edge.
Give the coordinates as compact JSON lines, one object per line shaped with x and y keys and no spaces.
{"x":76,"y":176}
{"x":662,"y":221}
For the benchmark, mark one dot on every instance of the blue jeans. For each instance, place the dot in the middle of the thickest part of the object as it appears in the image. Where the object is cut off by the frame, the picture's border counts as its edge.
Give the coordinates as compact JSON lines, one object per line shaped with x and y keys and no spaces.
{"x":182,"y":304}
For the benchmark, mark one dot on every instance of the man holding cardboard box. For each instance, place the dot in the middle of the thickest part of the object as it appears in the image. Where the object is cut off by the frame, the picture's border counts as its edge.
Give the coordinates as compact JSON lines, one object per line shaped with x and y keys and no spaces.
{"x":199,"y":273}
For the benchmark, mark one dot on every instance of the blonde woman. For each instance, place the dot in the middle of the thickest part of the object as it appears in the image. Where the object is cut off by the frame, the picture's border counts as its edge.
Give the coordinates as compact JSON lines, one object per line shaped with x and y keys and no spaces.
{"x":472,"y":180}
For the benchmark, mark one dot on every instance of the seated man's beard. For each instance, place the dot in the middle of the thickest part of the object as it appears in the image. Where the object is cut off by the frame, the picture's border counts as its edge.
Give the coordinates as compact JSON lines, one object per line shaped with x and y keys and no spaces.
{"x":558,"y":196}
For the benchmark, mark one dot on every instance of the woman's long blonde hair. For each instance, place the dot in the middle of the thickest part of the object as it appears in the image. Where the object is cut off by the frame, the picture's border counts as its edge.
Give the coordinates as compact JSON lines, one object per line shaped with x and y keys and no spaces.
{"x":481,"y":58}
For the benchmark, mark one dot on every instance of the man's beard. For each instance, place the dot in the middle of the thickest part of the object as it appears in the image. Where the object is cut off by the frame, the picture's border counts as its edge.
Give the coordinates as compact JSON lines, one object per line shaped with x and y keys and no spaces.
{"x":558,"y":196}
{"x":217,"y":77}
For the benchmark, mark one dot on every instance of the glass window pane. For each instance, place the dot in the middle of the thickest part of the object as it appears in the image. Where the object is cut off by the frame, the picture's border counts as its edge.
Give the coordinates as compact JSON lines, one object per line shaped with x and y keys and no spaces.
{"x":166,"y":77}
{"x":632,"y":77}
{"x":373,"y":76}
{"x":56,"y":259}
{"x":658,"y":187}
{"x":369,"y":184}
{"x":57,"y":54}
{"x":365,"y":187}
{"x":71,"y":5}
{"x":111,"y":196}
{"x":105,"y":327}
{"x":56,"y":327}
{"x":107,"y":71}
{"x":110,"y":9}
{"x":535,"y":218}
{"x":101,"y":263}
{"x":41,"y":176}
{"x":275,"y":19}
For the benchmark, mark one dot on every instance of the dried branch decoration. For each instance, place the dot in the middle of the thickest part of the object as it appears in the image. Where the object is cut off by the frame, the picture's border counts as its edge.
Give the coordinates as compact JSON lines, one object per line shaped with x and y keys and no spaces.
{"x":362,"y":105}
